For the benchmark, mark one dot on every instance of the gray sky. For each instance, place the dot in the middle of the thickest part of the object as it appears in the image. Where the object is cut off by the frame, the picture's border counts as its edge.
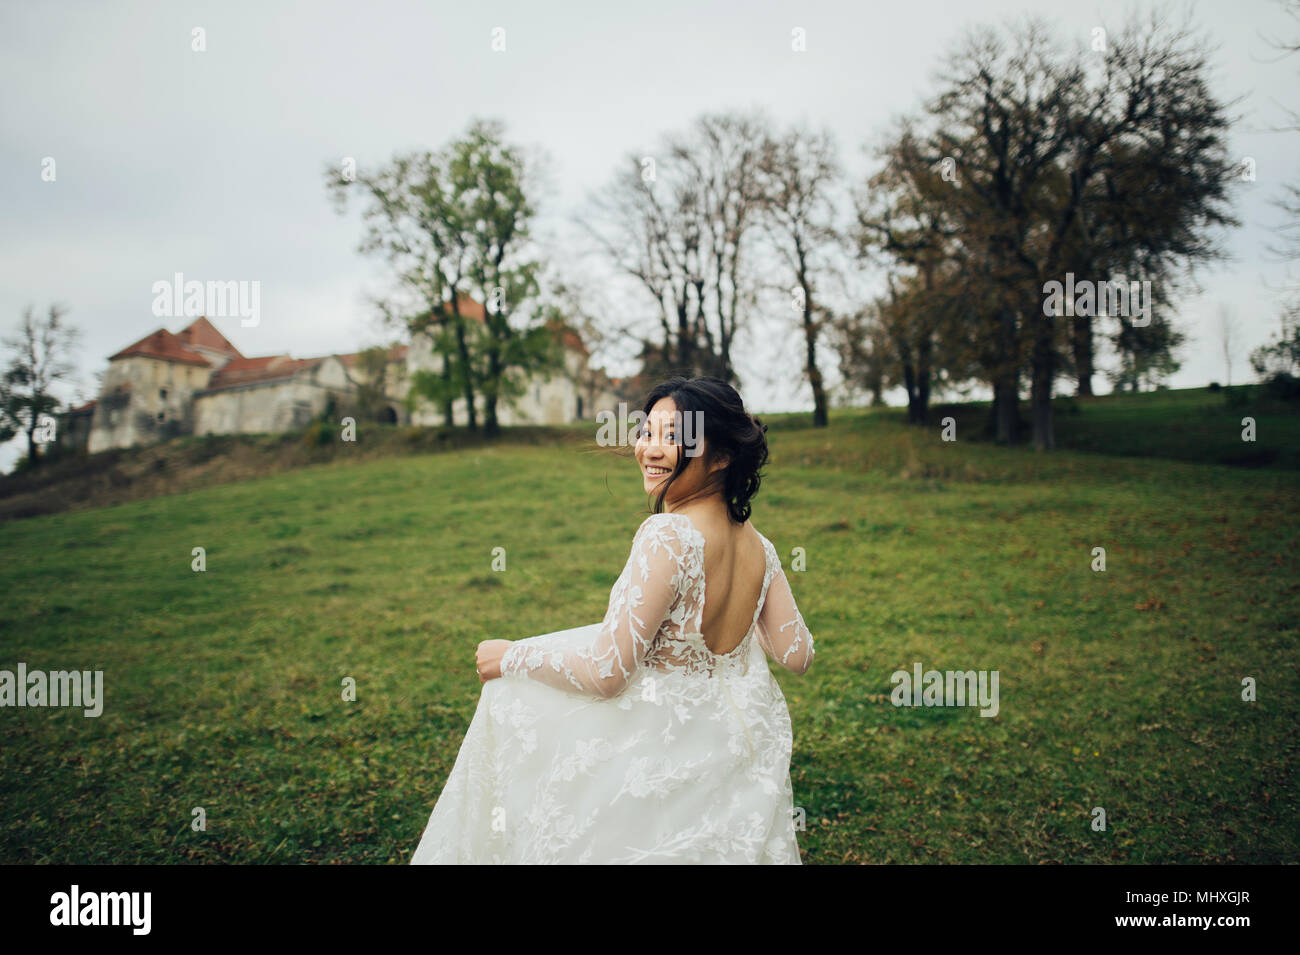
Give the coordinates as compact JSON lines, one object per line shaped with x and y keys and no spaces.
{"x":210,"y":163}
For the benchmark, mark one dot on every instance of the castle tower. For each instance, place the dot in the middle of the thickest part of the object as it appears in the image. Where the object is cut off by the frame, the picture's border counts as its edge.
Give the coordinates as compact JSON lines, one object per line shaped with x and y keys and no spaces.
{"x":149,"y":387}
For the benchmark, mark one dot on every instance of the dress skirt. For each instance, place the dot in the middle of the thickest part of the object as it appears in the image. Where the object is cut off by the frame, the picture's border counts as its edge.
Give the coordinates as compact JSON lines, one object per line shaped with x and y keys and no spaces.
{"x":681,"y":767}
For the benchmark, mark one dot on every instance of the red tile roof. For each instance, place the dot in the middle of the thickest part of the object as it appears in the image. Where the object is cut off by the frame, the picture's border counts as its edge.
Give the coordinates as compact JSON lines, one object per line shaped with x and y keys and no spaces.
{"x":469,"y":308}
{"x":203,"y":332}
{"x":240,"y":371}
{"x":249,"y":371}
{"x":395,"y":353}
{"x":162,"y":344}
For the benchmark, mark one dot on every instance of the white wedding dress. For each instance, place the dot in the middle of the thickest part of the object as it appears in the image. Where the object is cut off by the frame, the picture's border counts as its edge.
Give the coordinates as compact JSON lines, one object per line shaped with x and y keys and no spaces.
{"x":629,"y":741}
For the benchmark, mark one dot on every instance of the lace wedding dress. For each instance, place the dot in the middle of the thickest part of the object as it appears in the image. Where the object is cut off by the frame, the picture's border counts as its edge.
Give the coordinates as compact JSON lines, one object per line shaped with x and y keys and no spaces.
{"x":629,"y":741}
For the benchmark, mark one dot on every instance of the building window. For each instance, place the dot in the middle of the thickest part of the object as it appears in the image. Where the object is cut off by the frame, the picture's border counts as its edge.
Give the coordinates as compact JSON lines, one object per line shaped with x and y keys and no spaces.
{"x":579,"y":407}
{"x":162,"y":393}
{"x":160,"y":416}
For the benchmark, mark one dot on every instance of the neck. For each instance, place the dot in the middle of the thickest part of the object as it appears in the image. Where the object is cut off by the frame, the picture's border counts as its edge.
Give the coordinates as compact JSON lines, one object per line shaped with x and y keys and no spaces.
{"x":701,"y":505}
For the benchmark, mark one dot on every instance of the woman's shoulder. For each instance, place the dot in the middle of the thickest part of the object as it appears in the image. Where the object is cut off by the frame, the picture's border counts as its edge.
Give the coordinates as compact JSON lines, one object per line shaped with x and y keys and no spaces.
{"x":767,"y":544}
{"x":663,"y":523}
{"x":667,"y":526}
{"x":662,"y":519}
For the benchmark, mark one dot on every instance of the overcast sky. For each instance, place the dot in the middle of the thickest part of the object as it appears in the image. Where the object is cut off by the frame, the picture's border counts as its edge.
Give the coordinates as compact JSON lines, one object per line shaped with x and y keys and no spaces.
{"x":210,"y":163}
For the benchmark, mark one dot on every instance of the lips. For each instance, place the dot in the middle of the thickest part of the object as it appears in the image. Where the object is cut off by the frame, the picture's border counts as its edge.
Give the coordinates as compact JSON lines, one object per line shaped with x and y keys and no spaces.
{"x":657,"y":472}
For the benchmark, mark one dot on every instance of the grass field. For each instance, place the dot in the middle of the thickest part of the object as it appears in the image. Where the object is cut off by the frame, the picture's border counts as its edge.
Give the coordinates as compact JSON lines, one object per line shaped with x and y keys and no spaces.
{"x":1189,"y":424}
{"x":1119,"y":690}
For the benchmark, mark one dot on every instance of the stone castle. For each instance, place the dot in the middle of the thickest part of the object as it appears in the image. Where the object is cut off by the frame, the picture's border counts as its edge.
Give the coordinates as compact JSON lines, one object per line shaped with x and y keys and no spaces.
{"x":196,"y":382}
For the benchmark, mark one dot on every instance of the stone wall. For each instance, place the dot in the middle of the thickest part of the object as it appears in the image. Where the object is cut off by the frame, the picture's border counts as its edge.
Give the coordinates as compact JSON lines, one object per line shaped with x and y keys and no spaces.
{"x":272,"y":407}
{"x":145,"y":400}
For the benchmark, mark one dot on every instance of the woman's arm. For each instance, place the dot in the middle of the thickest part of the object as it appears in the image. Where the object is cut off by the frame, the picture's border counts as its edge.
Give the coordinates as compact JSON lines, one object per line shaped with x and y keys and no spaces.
{"x":641,"y":599}
{"x":781,"y":630}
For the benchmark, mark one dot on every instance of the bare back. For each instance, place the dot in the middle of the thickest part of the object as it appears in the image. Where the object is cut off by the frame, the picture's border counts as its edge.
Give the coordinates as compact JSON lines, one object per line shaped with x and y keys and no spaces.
{"x":734,"y":565}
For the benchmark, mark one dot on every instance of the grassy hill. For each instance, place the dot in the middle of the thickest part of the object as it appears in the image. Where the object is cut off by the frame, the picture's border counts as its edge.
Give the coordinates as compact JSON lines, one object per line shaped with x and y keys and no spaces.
{"x":1119,"y":689}
{"x":82,"y":481}
{"x":1189,"y":424}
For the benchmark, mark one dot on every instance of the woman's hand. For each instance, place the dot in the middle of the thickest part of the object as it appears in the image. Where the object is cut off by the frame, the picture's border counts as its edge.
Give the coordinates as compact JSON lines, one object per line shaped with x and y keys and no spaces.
{"x":487,"y":659}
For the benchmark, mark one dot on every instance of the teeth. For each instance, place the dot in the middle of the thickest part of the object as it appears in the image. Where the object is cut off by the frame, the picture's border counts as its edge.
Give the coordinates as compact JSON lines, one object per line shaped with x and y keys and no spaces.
{"x":650,"y":470}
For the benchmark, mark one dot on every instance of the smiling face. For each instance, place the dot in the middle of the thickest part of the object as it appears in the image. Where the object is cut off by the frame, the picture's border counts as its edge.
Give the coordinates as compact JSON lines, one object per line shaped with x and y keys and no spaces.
{"x":658,"y":448}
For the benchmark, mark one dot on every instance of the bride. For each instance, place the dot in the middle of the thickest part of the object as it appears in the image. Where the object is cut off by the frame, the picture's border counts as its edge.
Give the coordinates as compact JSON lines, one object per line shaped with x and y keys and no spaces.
{"x":658,"y":735}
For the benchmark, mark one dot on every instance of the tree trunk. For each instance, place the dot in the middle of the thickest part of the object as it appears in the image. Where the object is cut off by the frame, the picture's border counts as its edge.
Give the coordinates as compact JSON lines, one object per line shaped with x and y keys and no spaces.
{"x":1043,"y":371}
{"x":448,"y":410}
{"x":496,"y":369}
{"x":1081,"y":340}
{"x":923,"y":380}
{"x":462,"y":349}
{"x":1006,"y":408}
{"x":820,"y":415}
{"x":1006,"y":385}
{"x":909,"y":385}
{"x":911,"y":379}
{"x":1040,"y":405}
{"x":918,"y":406}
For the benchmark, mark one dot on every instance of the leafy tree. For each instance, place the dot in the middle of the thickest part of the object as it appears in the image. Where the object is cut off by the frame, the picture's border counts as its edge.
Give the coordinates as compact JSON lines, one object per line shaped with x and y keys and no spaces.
{"x":902,"y":217}
{"x":1061,"y":164}
{"x":455,"y":227}
{"x":1281,"y":354}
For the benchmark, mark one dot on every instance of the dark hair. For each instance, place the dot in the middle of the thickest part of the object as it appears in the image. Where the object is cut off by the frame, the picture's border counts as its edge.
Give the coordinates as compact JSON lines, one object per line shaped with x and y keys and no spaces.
{"x":729,"y":431}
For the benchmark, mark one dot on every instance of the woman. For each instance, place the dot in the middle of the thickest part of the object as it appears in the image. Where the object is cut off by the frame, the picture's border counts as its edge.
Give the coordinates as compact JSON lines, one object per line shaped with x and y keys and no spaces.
{"x":658,"y":735}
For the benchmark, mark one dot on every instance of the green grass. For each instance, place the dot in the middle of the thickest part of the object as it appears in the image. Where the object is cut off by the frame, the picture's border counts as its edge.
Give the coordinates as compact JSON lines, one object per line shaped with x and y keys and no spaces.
{"x":1118,"y":689}
{"x":1190,"y":424}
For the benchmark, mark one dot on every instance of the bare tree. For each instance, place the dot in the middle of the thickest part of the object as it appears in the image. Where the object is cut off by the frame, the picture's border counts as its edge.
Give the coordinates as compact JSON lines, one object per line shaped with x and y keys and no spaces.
{"x":1228,"y":338}
{"x":680,"y":221}
{"x":39,"y":359}
{"x":799,"y":171}
{"x":865,"y":356}
{"x":1288,"y":203}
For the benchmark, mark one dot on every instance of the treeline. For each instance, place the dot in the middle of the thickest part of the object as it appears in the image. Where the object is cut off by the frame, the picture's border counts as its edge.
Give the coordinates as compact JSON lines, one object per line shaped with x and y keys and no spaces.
{"x":1041,"y":199}
{"x":1046,"y":199}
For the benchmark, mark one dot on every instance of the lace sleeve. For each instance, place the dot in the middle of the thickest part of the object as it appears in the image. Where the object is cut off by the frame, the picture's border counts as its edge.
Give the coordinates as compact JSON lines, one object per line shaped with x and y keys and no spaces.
{"x":781,"y":631}
{"x":641,"y":598}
